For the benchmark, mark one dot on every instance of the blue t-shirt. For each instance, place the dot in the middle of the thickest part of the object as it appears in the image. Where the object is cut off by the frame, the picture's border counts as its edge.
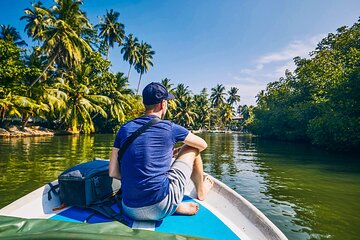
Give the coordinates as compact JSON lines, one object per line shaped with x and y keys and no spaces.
{"x":146,"y":162}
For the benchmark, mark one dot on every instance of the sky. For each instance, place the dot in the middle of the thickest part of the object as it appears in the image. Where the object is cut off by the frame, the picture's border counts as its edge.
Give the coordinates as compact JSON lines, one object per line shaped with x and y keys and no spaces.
{"x":237,"y":43}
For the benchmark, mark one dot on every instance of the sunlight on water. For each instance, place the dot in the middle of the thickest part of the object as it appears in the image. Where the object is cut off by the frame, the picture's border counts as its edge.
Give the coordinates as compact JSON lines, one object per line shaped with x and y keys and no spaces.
{"x":306,"y":192}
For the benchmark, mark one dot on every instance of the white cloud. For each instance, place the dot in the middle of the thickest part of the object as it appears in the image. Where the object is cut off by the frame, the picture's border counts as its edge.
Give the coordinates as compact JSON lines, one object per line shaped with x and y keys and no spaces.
{"x":270,"y":67}
{"x":300,"y":48}
{"x":243,"y":79}
{"x":254,"y":70}
{"x":294,"y":49}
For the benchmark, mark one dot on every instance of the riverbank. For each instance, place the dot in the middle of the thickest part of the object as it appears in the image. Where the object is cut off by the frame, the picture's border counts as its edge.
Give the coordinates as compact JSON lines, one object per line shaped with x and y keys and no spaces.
{"x":215,"y":131}
{"x":16,"y":131}
{"x":33,"y":131}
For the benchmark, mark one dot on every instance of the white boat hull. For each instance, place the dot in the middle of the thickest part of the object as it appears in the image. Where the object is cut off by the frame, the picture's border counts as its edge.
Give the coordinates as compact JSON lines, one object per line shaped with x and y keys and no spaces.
{"x":234,"y":211}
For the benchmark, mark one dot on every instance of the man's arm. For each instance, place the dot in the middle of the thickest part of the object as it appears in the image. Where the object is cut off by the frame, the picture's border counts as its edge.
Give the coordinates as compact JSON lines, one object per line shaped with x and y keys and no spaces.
{"x":114,"y":170}
{"x":196,"y":142}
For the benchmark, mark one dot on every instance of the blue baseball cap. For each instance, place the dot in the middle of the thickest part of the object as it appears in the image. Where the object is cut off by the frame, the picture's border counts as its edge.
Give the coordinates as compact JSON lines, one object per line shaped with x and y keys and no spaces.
{"x":154,"y":93}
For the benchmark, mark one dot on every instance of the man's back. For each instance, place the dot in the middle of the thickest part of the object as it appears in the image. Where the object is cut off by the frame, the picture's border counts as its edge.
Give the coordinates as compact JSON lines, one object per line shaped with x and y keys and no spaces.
{"x":152,"y":189}
{"x":145,"y":164}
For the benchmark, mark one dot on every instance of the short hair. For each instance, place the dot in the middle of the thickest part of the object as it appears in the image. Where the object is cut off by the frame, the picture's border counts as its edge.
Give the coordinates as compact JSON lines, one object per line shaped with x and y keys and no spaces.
{"x":151,"y":107}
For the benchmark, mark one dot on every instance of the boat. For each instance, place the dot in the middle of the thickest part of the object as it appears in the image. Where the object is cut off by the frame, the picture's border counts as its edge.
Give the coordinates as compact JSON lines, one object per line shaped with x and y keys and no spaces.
{"x":224,"y":214}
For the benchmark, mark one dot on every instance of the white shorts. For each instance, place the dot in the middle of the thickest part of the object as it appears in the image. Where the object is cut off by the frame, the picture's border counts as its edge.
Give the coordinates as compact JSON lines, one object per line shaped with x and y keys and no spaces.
{"x":179,"y":176}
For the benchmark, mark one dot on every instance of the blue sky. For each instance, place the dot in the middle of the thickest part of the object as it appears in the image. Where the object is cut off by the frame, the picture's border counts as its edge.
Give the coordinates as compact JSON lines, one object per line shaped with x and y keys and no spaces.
{"x":245,"y":44}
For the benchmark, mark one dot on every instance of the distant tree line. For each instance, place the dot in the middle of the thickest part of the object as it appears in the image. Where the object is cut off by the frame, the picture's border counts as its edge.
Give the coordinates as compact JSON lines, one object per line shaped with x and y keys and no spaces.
{"x":207,"y":111}
{"x":319,"y":101}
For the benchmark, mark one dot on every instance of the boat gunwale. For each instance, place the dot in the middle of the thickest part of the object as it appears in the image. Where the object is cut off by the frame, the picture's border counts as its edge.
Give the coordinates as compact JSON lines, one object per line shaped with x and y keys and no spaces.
{"x":256,"y":217}
{"x":260,"y":222}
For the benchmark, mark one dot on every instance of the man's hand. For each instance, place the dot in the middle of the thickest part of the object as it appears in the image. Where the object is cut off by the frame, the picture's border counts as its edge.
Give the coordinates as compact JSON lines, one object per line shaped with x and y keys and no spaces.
{"x":176,"y":152}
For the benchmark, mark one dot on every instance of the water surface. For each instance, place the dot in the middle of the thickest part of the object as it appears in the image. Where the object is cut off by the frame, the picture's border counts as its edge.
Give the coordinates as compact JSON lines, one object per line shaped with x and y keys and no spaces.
{"x":308,"y":193}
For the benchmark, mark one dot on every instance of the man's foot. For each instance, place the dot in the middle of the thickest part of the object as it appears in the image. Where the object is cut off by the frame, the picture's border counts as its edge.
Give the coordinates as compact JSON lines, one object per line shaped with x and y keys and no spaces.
{"x":207,"y":185}
{"x":187,"y":208}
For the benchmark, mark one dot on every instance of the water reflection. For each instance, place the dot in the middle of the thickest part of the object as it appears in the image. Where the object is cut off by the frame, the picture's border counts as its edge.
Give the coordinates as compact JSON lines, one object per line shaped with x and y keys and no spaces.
{"x":28,"y":163}
{"x":306,"y":192}
{"x":323,"y":188}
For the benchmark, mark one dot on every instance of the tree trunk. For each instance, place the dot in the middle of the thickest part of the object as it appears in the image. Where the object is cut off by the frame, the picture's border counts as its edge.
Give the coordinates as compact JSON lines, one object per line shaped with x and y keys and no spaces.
{"x":25,"y":120}
{"x":3,"y":111}
{"x":46,"y":68}
{"x":107,"y":50}
{"x":137,"y":91}
{"x":129,"y":73}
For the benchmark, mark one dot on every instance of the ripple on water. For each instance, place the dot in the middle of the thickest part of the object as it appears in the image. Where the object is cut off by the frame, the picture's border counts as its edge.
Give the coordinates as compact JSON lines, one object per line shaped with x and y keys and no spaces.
{"x":307,"y":193}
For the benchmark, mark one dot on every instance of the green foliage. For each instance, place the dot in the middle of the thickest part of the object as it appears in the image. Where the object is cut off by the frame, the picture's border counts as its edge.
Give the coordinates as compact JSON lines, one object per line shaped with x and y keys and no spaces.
{"x":218,"y":95}
{"x":15,"y":101}
{"x":110,"y":29}
{"x":131,"y":51}
{"x":10,"y":34}
{"x":202,"y":108}
{"x":11,"y":67}
{"x":65,"y":80}
{"x":145,"y":54}
{"x":200,"y":111}
{"x":320,"y":101}
{"x":233,"y":96}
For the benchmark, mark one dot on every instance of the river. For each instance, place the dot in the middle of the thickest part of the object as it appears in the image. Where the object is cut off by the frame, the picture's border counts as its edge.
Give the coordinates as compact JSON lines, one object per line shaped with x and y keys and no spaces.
{"x":308,"y":193}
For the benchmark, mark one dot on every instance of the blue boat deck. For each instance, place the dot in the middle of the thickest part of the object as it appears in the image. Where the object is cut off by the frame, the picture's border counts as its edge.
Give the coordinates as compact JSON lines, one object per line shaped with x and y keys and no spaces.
{"x":203,"y":224}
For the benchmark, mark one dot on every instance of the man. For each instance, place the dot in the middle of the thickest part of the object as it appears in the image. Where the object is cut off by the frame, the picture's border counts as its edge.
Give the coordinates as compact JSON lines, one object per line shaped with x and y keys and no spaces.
{"x":153,"y":186}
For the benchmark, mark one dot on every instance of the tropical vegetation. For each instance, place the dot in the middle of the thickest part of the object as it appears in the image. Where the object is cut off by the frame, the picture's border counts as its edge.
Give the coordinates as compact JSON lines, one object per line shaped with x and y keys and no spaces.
{"x":320,"y":101}
{"x":62,"y":80}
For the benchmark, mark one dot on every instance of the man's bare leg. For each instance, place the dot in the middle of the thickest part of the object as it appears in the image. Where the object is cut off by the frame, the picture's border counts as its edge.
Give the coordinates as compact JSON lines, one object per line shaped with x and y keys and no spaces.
{"x":192,"y":157}
{"x":202,"y":185}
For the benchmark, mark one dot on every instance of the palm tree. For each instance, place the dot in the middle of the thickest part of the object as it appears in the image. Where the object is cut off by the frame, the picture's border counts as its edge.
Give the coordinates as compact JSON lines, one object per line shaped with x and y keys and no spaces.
{"x":185,"y":111}
{"x":172,"y":102}
{"x":37,"y":20}
{"x":246,"y":114}
{"x":120,"y":96}
{"x":233,"y":96}
{"x":63,"y":43}
{"x":36,"y":58}
{"x":261,"y":99}
{"x":5,"y":103}
{"x":25,"y":108}
{"x":217,"y":95}
{"x":82,"y":100}
{"x":69,"y":12}
{"x":227,"y":114}
{"x":145,"y":57}
{"x":111,"y":30}
{"x":202,"y":108}
{"x":180,"y":105}
{"x":167,"y":84}
{"x":122,"y":84}
{"x":9,"y":33}
{"x":181,"y":91}
{"x":56,"y":100}
{"x":130,"y":51}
